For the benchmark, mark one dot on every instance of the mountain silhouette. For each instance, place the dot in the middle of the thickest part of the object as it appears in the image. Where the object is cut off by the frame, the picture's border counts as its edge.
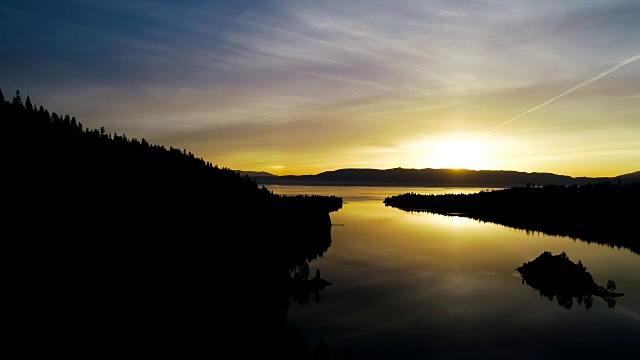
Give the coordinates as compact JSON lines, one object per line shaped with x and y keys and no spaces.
{"x":433,"y":177}
{"x":634,"y":176}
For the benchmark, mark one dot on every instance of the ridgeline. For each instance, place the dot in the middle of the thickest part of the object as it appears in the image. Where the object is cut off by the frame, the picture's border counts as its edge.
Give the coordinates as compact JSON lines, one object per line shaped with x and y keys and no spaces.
{"x":115,"y":243}
{"x":432,"y":178}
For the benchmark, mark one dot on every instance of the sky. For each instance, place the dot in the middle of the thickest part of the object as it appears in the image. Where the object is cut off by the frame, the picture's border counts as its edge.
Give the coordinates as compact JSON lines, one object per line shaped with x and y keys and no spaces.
{"x":301,"y":87}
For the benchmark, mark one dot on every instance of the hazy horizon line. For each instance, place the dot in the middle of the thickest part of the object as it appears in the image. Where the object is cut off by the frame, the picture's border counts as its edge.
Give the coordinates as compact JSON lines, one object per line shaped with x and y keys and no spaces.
{"x":429,"y":168}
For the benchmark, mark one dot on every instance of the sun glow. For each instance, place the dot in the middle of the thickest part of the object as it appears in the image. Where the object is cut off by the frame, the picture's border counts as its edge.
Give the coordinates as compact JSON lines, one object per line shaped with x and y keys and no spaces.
{"x":460,"y":154}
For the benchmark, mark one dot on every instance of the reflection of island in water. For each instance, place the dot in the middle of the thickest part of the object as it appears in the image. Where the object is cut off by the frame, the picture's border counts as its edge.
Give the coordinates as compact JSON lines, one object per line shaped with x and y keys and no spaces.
{"x":601,"y":213}
{"x":556,"y":275}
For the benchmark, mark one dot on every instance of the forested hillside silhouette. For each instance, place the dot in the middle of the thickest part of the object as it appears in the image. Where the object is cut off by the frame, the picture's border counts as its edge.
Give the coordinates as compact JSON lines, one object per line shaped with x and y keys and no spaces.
{"x":605,"y":213}
{"x":117,"y":243}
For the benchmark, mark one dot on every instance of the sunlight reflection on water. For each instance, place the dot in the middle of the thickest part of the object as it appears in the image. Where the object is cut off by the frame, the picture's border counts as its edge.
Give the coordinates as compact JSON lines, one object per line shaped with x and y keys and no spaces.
{"x":444,"y":286}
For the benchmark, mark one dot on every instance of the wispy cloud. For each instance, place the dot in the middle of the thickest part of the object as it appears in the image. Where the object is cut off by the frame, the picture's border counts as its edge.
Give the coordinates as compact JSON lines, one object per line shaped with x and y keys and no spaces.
{"x":569,"y":91}
{"x":360,"y":77}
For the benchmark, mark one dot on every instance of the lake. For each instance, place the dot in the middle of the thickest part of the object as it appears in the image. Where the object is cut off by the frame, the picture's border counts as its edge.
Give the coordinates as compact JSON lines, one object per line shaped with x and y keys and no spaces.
{"x":419,"y":285}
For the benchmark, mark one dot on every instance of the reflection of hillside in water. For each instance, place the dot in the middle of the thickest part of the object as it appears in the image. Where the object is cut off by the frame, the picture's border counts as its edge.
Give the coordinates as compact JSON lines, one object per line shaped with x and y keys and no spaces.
{"x":305,"y":239}
{"x":557,"y":276}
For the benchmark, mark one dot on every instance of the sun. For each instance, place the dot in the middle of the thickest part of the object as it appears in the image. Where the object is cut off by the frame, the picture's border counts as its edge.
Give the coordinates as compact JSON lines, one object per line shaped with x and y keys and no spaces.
{"x":459,"y":154}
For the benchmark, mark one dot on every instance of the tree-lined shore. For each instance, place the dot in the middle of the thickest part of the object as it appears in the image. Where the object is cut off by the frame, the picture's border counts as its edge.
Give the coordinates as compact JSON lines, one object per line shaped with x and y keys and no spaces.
{"x":604,"y":213}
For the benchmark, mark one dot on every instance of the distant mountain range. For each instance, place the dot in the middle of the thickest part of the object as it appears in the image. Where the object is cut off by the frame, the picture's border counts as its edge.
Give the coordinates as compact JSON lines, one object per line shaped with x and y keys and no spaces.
{"x":432,"y":177}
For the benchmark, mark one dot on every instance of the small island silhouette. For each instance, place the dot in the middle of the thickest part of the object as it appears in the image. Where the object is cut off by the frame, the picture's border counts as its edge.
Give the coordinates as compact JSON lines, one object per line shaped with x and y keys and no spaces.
{"x":557,"y":276}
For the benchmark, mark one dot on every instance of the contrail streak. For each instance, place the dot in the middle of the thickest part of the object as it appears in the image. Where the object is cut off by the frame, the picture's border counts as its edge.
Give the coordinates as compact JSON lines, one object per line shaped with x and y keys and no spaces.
{"x":584,"y":83}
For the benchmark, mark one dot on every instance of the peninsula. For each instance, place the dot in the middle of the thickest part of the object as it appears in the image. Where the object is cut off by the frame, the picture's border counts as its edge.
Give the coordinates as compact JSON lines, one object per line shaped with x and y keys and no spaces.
{"x":604,"y":213}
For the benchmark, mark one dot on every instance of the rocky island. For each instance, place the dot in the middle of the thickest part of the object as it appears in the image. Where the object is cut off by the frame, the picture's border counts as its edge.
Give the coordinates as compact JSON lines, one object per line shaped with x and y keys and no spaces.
{"x":556,"y":275}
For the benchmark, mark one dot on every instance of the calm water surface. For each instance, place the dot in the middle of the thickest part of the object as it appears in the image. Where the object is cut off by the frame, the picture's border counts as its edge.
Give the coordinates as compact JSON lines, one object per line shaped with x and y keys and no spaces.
{"x":419,"y":285}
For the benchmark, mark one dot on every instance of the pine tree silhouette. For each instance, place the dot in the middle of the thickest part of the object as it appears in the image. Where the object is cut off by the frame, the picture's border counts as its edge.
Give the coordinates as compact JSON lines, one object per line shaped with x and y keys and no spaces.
{"x":27,"y":104}
{"x":17,"y":100}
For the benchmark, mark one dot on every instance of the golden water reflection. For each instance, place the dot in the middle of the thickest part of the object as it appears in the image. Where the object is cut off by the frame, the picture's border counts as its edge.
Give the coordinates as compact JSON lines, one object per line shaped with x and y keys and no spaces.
{"x":441,"y":284}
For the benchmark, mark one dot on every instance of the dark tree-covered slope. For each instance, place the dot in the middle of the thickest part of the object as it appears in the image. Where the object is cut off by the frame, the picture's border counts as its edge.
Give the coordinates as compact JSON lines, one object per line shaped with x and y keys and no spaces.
{"x":114,"y":242}
{"x":605,"y":213}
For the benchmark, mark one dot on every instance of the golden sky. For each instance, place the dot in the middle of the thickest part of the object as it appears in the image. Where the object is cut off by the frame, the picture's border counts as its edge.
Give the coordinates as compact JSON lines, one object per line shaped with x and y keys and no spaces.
{"x":301,"y":87}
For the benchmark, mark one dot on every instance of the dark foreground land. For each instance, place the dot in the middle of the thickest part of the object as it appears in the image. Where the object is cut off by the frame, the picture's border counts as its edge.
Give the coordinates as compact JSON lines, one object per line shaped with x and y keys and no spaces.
{"x":605,"y":213}
{"x":116,"y":247}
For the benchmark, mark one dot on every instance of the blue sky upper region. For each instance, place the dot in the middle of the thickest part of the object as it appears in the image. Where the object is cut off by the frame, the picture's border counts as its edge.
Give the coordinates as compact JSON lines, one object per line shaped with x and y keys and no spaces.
{"x":300,"y":87}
